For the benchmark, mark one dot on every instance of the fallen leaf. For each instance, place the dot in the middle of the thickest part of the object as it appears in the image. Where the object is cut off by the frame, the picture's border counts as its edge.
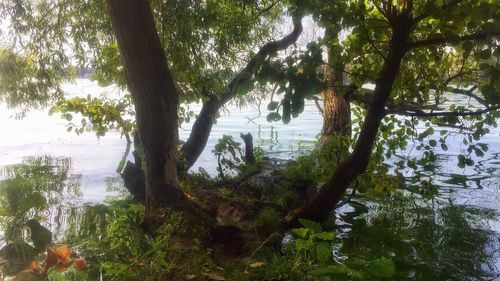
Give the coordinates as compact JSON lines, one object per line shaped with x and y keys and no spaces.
{"x":256,"y":264}
{"x":217,"y":277}
{"x":187,"y":276}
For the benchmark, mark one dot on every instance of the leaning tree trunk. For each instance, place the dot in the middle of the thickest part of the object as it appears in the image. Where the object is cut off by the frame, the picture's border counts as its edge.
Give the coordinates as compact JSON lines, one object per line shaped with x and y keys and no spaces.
{"x":155,"y":97}
{"x":320,"y":206}
{"x":195,"y":144}
{"x":336,"y":107}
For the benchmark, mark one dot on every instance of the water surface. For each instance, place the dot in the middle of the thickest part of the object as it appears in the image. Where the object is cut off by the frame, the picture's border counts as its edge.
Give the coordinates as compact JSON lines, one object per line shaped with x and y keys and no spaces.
{"x":453,"y":236}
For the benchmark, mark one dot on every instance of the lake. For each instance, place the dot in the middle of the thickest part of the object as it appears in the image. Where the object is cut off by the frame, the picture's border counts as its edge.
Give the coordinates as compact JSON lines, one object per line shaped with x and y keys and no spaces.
{"x":461,"y":224}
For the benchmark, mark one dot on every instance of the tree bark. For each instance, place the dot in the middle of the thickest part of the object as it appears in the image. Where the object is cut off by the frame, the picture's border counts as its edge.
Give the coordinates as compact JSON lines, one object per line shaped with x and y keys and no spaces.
{"x":336,"y":107}
{"x":195,"y":144}
{"x":249,"y":155}
{"x":321,"y":205}
{"x":155,"y":98}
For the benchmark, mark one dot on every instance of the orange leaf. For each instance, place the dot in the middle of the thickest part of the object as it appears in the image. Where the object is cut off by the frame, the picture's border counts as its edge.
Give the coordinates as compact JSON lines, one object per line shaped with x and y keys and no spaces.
{"x":63,"y":252}
{"x":80,"y":265}
{"x":50,"y":258}
{"x":62,"y":266}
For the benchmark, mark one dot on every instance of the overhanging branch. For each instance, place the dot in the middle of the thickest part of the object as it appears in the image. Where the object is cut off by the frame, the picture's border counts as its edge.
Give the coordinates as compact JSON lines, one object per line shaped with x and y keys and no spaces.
{"x":269,"y":48}
{"x":452,"y":39}
{"x":420,"y":113}
{"x":469,"y":94}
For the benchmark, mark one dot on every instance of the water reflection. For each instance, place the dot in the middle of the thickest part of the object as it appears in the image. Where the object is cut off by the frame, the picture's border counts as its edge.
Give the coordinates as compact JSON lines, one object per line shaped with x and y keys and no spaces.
{"x":427,"y":239}
{"x":45,"y":188}
{"x":31,"y":189}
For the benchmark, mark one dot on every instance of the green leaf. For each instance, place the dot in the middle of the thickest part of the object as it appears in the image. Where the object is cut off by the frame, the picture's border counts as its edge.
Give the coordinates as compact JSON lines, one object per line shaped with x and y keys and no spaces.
{"x":324,"y":252}
{"x":383,"y":268}
{"x":327,"y":236}
{"x":303,"y":245}
{"x":479,"y":152}
{"x":273,"y":116}
{"x":272,"y":105}
{"x":40,"y":236}
{"x":299,"y":232}
{"x":467,"y":46}
{"x":485,"y":54}
{"x":35,"y":201}
{"x":18,"y":251}
{"x":312,"y":225}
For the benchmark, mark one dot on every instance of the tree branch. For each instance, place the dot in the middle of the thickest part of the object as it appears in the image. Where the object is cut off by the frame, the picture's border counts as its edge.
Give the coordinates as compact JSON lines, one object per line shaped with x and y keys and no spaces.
{"x":203,"y":124}
{"x":420,"y":113}
{"x":269,"y":48}
{"x":452,"y":39}
{"x":469,"y":94}
{"x":316,"y":102}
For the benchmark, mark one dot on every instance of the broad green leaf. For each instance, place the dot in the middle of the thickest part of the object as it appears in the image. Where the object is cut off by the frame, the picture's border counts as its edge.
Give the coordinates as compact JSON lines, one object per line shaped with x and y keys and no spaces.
{"x":312,"y":225}
{"x":300,"y":232}
{"x":273,"y":116}
{"x":327,"y":236}
{"x":324,"y":252}
{"x":383,"y":268}
{"x":272,"y":105}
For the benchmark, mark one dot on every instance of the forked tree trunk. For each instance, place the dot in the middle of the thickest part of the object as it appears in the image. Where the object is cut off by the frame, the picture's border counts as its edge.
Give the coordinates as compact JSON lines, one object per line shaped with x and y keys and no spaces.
{"x":336,"y":107}
{"x":155,"y":97}
{"x":323,"y":203}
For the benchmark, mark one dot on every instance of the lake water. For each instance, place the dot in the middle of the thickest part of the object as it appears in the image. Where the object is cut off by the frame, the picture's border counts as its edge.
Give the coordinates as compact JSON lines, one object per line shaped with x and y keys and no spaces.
{"x":466,"y":208}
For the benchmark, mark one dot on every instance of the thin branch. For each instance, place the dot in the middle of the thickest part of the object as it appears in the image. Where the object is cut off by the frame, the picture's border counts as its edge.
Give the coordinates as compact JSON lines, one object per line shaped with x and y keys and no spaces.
{"x":420,"y":113}
{"x":469,"y":94}
{"x":452,"y":39}
{"x":316,"y":102}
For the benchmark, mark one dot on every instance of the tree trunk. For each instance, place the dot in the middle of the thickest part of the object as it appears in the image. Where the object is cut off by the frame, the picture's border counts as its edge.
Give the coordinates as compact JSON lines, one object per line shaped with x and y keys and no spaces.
{"x":249,"y":154}
{"x":200,"y":132}
{"x":155,"y":97}
{"x":202,"y":126}
{"x":336,"y":108}
{"x":320,"y":206}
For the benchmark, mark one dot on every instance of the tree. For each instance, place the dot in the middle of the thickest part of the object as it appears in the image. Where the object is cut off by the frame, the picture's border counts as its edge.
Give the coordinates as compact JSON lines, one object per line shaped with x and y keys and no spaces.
{"x":404,"y":48}
{"x":409,"y":27}
{"x":156,"y":100}
{"x":187,"y":30}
